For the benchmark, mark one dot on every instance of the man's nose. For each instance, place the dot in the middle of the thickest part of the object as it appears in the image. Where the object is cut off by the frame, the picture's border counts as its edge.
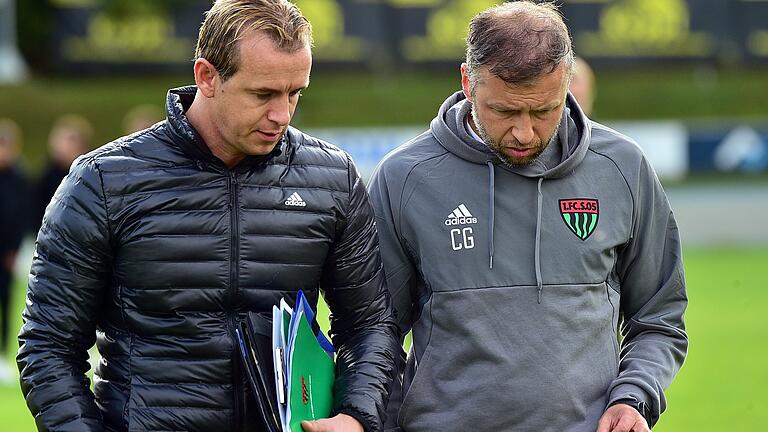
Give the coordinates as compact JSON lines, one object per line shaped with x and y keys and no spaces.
{"x":523,"y":129}
{"x":280,"y":111}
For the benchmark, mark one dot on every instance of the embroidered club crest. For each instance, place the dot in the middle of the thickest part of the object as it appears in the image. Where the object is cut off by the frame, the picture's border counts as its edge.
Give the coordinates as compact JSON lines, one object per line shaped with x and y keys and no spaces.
{"x":580,"y":215}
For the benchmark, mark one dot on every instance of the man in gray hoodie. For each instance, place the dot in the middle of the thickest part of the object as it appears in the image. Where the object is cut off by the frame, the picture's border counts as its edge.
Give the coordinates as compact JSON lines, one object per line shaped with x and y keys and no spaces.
{"x":517,"y":236}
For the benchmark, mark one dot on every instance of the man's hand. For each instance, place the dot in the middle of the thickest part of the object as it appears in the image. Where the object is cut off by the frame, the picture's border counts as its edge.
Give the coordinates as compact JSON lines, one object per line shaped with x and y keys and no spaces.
{"x":338,"y":423}
{"x":622,"y":418}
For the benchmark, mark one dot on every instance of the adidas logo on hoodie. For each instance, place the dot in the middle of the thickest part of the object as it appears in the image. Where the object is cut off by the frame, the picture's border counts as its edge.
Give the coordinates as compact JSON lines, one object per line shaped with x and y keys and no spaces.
{"x":460,"y":216}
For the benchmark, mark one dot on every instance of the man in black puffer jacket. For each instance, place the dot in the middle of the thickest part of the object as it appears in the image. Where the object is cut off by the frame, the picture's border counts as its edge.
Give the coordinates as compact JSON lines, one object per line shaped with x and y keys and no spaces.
{"x":156,"y":246}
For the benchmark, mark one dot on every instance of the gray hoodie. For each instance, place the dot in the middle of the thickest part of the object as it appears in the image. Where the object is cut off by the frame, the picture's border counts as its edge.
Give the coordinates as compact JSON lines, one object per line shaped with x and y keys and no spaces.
{"x":514,"y":279}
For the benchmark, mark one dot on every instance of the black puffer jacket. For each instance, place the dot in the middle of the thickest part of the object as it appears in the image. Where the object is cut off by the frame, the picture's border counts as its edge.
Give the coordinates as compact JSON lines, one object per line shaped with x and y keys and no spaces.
{"x":154,"y":249}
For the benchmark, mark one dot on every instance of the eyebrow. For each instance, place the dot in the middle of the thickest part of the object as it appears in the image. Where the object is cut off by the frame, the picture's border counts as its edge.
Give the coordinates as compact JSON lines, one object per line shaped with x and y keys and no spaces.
{"x":272,"y":90}
{"x":548,"y":107}
{"x":504,"y":107}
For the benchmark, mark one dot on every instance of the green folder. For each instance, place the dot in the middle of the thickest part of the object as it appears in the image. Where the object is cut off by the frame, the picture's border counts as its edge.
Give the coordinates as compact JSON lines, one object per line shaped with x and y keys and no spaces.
{"x":310,"y":377}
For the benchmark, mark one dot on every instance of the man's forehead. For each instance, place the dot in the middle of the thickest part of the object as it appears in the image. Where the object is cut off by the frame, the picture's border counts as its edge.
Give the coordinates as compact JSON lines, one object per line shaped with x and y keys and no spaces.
{"x":484,"y":73}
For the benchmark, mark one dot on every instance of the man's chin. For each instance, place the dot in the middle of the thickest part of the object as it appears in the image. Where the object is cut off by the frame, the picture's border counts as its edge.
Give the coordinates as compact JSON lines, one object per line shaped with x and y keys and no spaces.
{"x":517,"y":162}
{"x":263,"y":147}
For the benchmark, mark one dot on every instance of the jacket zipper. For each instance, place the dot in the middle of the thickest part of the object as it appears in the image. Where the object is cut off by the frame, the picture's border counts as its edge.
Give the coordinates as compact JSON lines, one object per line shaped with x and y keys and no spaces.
{"x":232,"y":294}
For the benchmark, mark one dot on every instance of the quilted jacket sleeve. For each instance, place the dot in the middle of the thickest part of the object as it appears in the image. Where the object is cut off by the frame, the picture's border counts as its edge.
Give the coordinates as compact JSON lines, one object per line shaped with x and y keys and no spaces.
{"x":362,"y":325}
{"x":66,"y":285}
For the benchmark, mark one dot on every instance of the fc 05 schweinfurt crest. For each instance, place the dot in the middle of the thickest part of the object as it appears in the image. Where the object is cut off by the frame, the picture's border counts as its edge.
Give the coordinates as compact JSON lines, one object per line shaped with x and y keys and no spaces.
{"x":580,"y":215}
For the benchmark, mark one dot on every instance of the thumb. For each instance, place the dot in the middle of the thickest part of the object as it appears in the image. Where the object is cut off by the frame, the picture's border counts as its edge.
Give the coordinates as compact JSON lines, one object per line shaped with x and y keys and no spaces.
{"x":313,"y":426}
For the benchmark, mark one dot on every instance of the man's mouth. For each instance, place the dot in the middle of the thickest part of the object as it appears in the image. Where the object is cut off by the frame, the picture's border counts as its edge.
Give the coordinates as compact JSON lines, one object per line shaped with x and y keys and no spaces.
{"x":269,"y":135}
{"x":519,"y":152}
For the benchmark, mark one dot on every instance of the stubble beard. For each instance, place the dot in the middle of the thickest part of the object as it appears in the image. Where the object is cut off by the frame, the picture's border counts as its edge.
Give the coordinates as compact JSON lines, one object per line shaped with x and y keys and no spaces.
{"x":498,"y":149}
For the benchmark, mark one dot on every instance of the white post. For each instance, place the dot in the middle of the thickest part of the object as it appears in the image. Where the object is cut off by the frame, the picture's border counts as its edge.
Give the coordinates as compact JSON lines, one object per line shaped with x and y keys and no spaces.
{"x":13,"y":69}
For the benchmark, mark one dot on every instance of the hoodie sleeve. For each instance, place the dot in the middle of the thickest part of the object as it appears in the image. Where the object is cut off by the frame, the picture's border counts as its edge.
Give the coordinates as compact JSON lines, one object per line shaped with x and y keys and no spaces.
{"x":362,"y":325}
{"x":653,"y":300}
{"x":66,"y":285}
{"x":386,"y":194}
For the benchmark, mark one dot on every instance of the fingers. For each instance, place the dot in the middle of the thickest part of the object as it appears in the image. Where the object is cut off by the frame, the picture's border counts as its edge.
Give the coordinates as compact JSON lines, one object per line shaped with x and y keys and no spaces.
{"x":605,"y":423}
{"x":625,"y":424}
{"x":641,"y":426}
{"x":322,"y":425}
{"x":618,"y":419}
{"x":338,"y":423}
{"x":313,"y":426}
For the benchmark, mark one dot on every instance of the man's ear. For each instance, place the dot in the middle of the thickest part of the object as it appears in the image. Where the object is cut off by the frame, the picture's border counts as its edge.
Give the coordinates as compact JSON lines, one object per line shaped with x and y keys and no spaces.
{"x":206,"y":77}
{"x":465,"y":82}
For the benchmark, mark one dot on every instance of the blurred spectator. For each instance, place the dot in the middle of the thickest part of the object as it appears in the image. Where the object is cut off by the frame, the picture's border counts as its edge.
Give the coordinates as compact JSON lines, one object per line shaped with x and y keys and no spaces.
{"x":583,"y":85}
{"x":70,"y":137}
{"x":141,"y":117}
{"x":13,"y":218}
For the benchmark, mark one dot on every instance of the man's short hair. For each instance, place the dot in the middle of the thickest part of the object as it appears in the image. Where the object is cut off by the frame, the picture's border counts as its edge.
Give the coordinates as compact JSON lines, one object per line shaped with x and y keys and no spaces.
{"x":229,"y":21}
{"x":519,"y":42}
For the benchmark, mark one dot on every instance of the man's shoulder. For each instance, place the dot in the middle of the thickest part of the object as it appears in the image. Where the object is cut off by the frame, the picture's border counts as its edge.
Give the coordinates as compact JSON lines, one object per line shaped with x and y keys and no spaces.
{"x":413,"y":153}
{"x":310,"y":150}
{"x":614,"y":145}
{"x":623,"y":152}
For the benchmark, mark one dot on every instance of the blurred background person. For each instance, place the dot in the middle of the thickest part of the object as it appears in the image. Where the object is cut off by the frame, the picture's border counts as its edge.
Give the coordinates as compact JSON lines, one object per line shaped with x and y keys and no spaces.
{"x":13,"y":217}
{"x":583,"y":85}
{"x":141,"y":117}
{"x":69,"y":138}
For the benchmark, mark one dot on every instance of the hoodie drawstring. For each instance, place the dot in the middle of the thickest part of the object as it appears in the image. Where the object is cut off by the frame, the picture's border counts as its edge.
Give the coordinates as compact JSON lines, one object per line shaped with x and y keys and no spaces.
{"x":492,"y":209}
{"x":491,"y":217}
{"x":537,"y":252}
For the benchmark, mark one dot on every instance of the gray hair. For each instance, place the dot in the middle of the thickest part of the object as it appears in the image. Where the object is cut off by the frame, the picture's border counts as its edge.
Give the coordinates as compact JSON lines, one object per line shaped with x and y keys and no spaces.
{"x":519,"y":42}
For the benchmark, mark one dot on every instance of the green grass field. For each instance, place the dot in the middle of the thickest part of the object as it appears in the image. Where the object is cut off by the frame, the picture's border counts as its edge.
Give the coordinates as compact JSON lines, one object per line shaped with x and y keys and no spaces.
{"x":721,"y":386}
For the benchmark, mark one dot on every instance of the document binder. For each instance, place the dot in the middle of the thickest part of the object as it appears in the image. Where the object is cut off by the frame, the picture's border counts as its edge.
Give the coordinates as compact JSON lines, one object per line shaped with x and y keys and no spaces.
{"x":289,"y":365}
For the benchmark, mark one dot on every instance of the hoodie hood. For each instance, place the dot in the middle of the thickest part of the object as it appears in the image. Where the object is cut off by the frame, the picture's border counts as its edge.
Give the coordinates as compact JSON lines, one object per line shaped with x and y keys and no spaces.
{"x":567,"y":150}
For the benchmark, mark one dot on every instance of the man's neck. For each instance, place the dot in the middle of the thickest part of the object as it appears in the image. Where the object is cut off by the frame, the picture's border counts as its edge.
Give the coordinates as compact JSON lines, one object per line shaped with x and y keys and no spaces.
{"x":469,"y":123}
{"x":201,"y":121}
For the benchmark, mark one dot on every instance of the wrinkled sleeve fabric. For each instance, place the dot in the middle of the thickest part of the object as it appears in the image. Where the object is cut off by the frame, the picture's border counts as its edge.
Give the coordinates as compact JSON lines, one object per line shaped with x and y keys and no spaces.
{"x":653,"y":299}
{"x":67,"y":280}
{"x":386,"y":195}
{"x":362,"y":324}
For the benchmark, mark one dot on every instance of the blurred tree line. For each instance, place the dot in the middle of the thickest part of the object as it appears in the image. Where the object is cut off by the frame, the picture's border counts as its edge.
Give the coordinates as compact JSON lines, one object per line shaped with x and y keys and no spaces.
{"x":696,"y":92}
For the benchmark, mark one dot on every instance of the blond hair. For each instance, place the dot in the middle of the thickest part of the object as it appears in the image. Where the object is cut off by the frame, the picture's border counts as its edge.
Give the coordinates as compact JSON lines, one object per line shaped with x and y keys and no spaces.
{"x":229,"y":21}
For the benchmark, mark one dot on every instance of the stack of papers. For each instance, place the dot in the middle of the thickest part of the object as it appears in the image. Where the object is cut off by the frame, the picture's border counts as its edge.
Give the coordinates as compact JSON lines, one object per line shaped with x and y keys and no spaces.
{"x":299,"y":385}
